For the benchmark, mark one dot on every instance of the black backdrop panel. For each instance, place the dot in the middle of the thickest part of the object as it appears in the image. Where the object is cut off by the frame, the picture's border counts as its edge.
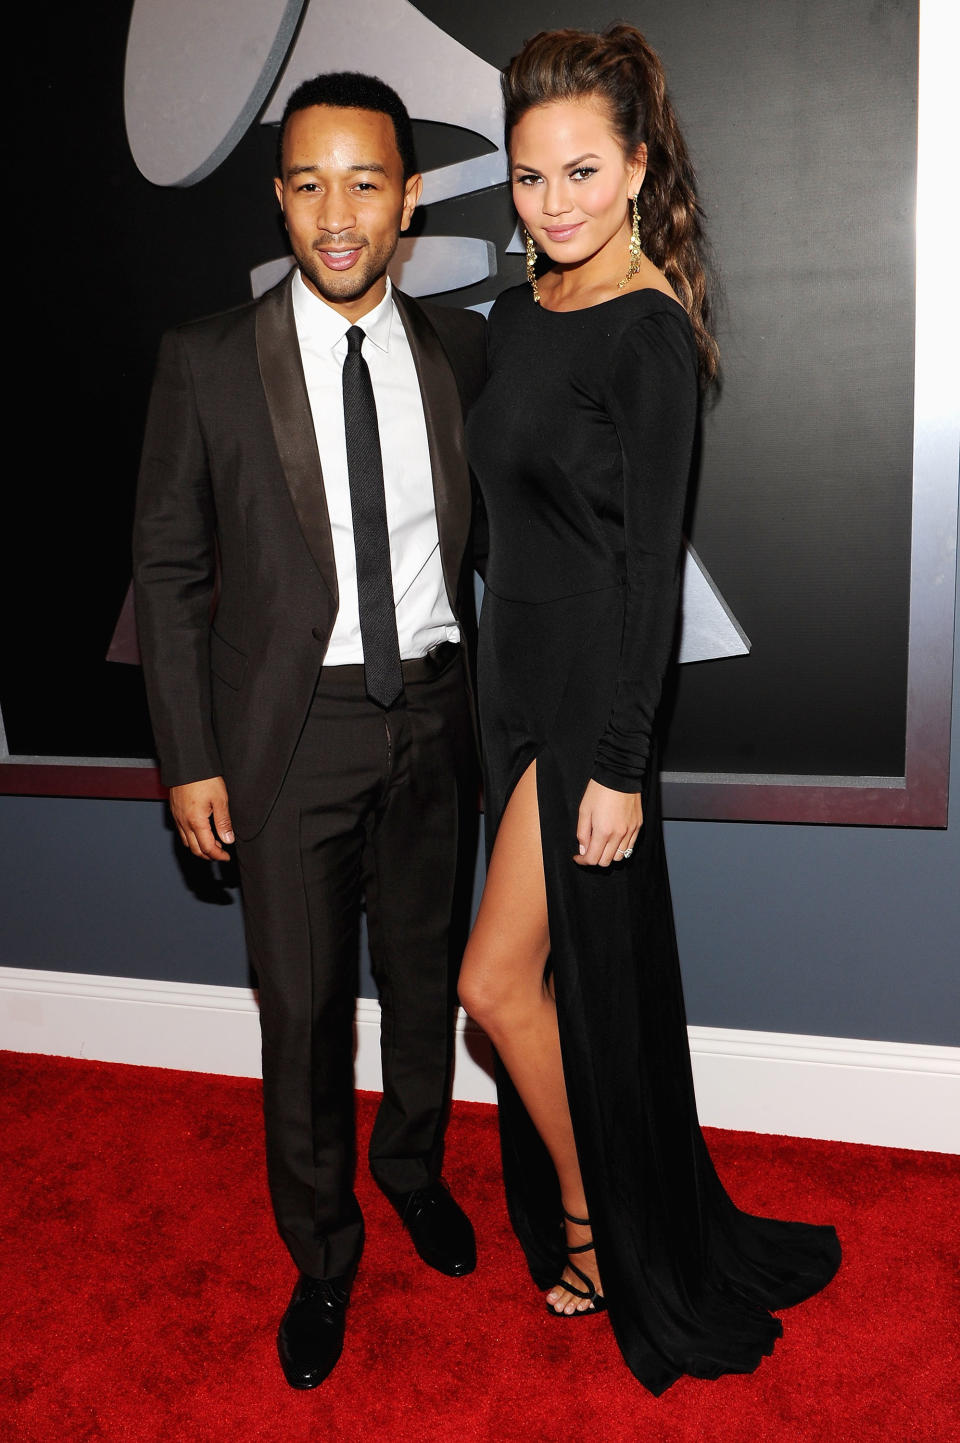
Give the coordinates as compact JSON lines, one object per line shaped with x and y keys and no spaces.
{"x":801,"y":117}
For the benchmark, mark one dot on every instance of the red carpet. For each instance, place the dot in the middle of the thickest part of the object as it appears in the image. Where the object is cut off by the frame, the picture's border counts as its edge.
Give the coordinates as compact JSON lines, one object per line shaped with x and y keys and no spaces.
{"x":142,"y":1281}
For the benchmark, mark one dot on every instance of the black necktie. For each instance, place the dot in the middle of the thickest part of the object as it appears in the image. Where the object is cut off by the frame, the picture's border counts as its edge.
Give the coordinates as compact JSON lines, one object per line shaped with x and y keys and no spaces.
{"x":371,"y":539}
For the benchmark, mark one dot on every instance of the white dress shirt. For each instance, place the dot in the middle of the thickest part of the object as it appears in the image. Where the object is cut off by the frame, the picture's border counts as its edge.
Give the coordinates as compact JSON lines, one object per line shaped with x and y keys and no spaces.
{"x":424,"y":617}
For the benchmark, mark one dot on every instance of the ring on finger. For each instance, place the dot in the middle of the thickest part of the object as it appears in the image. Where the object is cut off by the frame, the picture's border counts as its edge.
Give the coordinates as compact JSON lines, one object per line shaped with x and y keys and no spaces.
{"x":627,"y":852}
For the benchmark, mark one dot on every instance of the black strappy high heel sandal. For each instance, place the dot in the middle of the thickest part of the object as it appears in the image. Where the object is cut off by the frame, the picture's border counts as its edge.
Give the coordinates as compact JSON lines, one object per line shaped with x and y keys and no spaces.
{"x":596,"y":1300}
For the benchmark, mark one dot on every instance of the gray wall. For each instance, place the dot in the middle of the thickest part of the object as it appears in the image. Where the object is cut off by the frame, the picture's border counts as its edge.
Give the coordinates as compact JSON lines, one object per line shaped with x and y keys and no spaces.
{"x":832,"y":931}
{"x":835,"y":931}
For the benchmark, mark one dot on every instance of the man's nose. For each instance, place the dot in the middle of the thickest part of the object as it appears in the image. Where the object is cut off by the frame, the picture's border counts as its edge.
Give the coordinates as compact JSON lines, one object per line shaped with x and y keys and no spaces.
{"x":336,"y":214}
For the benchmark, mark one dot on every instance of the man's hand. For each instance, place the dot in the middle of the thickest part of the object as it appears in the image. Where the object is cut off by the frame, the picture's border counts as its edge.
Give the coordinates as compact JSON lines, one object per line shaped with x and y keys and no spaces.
{"x":192,"y":806}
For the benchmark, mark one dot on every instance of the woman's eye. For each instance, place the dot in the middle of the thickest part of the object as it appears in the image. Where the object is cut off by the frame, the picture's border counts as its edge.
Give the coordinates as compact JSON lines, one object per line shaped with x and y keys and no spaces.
{"x":583,"y":172}
{"x":528,"y":179}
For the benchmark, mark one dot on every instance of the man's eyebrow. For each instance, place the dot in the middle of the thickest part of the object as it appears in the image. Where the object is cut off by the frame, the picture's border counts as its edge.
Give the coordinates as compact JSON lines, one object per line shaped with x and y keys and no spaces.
{"x":372,"y":165}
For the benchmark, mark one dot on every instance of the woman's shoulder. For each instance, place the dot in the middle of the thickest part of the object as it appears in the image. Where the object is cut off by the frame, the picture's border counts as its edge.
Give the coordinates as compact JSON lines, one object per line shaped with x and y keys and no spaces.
{"x":651,"y":324}
{"x":633,"y":308}
{"x":511,"y":304}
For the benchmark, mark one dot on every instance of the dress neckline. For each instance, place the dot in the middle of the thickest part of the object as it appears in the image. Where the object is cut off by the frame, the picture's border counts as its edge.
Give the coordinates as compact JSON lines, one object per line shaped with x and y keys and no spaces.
{"x":611,"y":301}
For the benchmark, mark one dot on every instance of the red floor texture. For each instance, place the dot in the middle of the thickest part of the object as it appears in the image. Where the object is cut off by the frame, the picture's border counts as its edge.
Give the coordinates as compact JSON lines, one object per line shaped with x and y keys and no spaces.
{"x":141,"y":1282}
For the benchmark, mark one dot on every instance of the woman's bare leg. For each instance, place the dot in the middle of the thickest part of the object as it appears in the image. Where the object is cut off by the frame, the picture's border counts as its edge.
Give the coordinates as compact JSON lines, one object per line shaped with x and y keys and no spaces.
{"x":502,"y":987}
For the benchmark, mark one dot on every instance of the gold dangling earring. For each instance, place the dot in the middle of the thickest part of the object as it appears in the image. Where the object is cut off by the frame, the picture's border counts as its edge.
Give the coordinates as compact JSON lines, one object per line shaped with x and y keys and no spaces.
{"x":636,"y":250}
{"x":531,"y":264}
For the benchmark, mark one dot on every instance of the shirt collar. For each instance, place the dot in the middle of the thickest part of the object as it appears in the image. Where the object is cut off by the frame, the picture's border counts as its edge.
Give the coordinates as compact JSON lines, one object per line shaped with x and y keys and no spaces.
{"x":323,"y":328}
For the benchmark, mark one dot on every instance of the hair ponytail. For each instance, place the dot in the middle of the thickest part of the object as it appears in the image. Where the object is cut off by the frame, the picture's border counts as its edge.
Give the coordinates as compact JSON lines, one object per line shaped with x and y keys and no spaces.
{"x":619,"y":66}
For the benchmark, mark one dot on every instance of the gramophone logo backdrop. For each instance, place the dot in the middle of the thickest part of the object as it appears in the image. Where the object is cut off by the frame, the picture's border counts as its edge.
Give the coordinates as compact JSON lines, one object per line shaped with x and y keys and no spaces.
{"x":144,"y":153}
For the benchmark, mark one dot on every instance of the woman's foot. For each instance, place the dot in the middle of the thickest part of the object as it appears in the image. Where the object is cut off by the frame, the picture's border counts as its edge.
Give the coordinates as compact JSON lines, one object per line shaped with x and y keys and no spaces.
{"x":578,"y":1290}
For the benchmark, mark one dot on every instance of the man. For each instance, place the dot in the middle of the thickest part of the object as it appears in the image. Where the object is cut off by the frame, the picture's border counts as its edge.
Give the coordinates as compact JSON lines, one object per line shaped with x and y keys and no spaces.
{"x":302,"y":453}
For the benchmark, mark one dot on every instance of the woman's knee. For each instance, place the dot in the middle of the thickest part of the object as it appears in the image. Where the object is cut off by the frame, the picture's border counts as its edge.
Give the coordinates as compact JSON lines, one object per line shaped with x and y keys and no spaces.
{"x":478,"y":997}
{"x":497,"y":996}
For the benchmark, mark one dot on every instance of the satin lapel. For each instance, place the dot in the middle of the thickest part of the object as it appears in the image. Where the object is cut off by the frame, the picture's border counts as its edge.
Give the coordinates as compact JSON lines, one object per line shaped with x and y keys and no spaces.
{"x":281,"y":371}
{"x":444,"y":418}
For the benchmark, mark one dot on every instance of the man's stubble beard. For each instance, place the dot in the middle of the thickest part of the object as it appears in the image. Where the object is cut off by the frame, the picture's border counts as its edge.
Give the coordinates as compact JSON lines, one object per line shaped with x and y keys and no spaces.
{"x":349,"y":285}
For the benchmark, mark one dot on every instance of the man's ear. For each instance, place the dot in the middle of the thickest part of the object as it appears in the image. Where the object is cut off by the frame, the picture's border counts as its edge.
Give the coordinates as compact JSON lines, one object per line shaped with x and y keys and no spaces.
{"x":412,"y":190}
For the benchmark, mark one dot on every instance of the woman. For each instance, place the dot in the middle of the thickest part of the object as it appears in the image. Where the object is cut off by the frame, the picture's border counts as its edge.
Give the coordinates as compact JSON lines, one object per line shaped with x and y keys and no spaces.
{"x":582,"y":445}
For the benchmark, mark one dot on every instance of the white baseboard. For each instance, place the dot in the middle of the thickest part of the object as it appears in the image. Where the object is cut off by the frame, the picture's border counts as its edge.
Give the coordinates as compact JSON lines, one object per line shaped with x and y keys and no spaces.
{"x":894,"y":1094}
{"x":186,"y":1025}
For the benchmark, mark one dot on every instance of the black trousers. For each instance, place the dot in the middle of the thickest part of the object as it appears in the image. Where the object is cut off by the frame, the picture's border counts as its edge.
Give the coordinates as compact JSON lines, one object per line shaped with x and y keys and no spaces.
{"x":382,"y":807}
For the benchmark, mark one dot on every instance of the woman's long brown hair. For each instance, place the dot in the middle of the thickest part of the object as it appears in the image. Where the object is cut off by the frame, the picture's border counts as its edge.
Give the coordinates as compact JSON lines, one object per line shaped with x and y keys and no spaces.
{"x":618,"y":66}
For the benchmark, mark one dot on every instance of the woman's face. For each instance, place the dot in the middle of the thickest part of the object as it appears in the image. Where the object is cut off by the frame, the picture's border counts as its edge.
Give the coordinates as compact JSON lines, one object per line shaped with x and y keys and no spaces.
{"x":571,"y":180}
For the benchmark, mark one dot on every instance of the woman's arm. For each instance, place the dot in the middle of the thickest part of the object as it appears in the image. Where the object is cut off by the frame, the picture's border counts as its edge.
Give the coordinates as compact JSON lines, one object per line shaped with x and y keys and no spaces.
{"x":652,"y":399}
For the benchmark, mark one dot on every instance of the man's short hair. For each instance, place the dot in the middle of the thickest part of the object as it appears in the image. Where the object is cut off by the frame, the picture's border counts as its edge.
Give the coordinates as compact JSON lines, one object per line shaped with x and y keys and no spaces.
{"x":351,"y":90}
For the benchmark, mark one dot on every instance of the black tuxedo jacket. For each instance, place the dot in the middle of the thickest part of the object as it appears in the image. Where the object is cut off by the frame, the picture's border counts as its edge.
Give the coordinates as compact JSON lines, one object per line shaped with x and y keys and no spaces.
{"x":236,"y":587}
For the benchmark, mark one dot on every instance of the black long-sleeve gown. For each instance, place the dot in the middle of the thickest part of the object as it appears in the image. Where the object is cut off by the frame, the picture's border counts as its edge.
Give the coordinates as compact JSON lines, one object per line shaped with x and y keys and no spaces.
{"x":581,"y":444}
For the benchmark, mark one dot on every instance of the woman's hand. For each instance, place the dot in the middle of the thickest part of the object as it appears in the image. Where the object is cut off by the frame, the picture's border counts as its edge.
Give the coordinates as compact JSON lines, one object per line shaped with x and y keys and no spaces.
{"x":608,"y":825}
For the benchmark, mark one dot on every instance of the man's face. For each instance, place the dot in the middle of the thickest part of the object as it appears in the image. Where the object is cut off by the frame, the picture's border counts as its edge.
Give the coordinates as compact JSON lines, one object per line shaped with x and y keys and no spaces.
{"x":344,"y":202}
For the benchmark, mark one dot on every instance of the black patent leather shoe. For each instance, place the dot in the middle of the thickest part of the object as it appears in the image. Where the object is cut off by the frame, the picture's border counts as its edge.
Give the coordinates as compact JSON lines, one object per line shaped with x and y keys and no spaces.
{"x":441,"y":1231}
{"x":310,"y":1336}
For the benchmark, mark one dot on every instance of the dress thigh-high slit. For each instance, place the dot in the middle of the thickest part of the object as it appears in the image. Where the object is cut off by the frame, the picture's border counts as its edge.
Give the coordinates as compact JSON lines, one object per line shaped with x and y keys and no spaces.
{"x":581,"y":443}
{"x":506,"y":985}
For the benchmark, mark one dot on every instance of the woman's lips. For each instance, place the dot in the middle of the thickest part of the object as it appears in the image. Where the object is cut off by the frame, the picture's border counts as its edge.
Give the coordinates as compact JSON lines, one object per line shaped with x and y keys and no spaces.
{"x":562,"y":232}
